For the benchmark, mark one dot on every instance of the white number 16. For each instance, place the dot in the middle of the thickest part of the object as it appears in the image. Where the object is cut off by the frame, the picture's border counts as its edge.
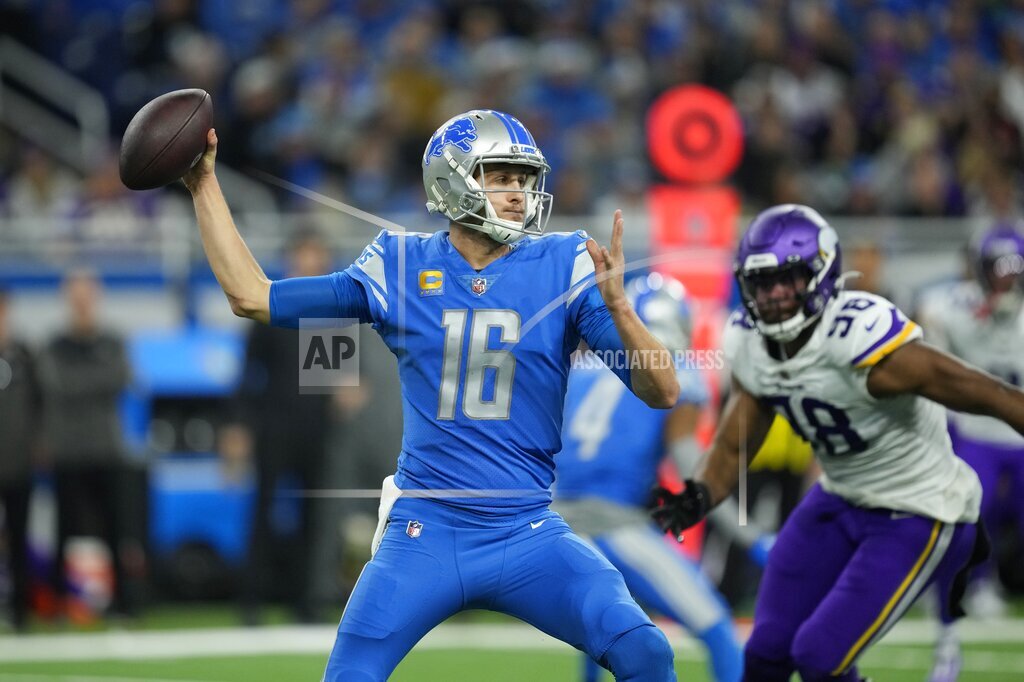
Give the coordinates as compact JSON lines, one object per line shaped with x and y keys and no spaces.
{"x":478,"y":360}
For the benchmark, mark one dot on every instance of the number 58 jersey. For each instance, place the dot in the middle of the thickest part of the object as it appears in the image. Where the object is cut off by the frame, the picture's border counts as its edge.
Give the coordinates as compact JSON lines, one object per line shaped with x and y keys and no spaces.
{"x":891,"y":453}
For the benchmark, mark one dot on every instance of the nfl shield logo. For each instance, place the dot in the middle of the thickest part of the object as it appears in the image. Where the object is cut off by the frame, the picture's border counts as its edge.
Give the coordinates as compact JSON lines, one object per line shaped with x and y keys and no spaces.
{"x":414,"y":529}
{"x":478,"y":285}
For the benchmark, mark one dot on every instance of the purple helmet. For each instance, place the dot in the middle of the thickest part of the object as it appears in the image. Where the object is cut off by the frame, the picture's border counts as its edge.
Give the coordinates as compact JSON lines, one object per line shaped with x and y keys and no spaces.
{"x":999,"y":258}
{"x":789,"y":239}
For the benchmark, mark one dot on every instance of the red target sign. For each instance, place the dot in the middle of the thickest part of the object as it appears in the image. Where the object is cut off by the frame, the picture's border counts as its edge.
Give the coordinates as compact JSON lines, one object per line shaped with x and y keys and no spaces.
{"x":694,"y":134}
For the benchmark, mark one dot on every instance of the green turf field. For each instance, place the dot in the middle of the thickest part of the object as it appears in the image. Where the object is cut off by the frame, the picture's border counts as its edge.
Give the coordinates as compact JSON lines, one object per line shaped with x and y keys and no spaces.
{"x":471,"y":651}
{"x":885,"y":664}
{"x":204,"y":644}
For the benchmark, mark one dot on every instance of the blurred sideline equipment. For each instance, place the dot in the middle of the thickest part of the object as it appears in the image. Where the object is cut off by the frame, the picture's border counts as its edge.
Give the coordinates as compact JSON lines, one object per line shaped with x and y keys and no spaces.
{"x":165,"y":139}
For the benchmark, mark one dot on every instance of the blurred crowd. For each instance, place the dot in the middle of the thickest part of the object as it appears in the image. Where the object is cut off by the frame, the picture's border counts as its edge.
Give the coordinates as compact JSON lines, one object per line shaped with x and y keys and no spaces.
{"x":899,"y":107}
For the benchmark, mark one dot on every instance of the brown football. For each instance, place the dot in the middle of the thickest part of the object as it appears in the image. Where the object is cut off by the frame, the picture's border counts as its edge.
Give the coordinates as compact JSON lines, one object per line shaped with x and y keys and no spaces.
{"x":165,"y":139}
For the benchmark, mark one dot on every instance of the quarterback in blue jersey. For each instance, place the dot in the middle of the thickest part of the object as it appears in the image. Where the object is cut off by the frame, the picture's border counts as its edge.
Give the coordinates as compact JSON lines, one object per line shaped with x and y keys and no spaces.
{"x":483,"y":318}
{"x":612,"y":445}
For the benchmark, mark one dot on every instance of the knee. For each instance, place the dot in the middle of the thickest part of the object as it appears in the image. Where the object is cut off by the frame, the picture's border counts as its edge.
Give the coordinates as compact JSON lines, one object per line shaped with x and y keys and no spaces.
{"x":642,"y":654}
{"x":349,"y":675}
{"x":815,"y":659}
{"x":356,"y":659}
{"x":758,"y":667}
{"x":766,"y":656}
{"x":769,"y":642}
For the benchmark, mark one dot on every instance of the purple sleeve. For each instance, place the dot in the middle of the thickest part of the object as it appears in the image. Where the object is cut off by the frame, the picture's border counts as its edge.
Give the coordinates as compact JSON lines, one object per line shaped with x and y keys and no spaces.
{"x":337,"y":295}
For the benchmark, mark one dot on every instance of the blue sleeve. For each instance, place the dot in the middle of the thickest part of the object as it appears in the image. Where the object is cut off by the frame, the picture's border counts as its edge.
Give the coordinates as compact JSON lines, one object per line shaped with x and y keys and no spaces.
{"x":595,"y":325}
{"x":377,"y":271}
{"x":337,"y":295}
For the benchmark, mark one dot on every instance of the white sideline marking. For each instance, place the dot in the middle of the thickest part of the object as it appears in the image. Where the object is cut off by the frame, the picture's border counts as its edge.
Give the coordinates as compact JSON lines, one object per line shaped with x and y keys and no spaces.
{"x":899,"y":658}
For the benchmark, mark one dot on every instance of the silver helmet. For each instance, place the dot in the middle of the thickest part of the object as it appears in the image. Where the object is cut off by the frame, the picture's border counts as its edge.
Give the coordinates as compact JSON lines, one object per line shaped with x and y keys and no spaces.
{"x":453,"y":173}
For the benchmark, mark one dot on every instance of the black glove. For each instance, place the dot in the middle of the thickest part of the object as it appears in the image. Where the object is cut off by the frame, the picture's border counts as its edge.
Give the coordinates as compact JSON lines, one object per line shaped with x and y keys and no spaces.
{"x":674,"y":513}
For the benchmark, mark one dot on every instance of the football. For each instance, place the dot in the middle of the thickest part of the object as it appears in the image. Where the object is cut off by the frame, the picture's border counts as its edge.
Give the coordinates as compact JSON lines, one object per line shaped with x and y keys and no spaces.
{"x":165,"y":139}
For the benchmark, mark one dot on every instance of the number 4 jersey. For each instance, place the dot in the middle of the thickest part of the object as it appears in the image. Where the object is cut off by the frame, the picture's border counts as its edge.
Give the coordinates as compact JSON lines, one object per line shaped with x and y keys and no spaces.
{"x":483,"y":359}
{"x":891,"y":453}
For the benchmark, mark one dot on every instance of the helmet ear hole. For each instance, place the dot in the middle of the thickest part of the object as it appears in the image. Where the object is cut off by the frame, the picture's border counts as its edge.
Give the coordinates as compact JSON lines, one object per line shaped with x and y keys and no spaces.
{"x":444,"y":184}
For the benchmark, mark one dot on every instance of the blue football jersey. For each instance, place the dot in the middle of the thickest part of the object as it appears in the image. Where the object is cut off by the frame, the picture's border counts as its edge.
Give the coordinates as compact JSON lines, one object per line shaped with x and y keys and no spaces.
{"x":612,"y":443}
{"x":483,"y":359}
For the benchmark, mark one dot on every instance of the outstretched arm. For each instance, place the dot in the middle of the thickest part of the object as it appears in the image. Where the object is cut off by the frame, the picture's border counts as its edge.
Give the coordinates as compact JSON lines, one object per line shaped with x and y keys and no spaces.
{"x":686,"y":455}
{"x":239,"y":275}
{"x":653,"y":378}
{"x":741,"y":431}
{"x":931,"y":373}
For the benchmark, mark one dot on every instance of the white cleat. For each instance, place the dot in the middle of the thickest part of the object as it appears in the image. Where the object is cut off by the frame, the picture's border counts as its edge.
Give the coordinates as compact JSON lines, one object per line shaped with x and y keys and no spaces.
{"x":948,"y":659}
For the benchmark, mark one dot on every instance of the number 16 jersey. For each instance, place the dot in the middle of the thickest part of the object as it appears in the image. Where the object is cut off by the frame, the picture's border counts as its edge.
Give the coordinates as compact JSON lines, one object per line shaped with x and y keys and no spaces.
{"x":483,"y":358}
{"x":891,"y":453}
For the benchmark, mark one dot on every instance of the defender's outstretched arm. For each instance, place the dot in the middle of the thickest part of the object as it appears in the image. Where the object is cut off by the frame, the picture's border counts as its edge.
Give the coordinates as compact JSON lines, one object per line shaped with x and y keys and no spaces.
{"x":929,"y":372}
{"x":741,"y":431}
{"x":742,"y":428}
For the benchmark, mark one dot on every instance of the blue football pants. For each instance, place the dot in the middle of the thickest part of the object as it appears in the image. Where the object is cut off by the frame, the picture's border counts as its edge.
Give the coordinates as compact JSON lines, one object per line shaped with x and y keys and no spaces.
{"x":435,"y":560}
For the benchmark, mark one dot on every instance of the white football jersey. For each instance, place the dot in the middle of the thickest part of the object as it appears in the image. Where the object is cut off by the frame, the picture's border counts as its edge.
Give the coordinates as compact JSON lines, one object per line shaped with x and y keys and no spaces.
{"x":892,"y":453}
{"x":957,"y":319}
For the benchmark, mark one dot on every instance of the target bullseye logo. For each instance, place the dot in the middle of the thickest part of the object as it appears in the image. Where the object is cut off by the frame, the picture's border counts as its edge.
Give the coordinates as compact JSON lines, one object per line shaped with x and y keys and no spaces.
{"x":694,"y":135}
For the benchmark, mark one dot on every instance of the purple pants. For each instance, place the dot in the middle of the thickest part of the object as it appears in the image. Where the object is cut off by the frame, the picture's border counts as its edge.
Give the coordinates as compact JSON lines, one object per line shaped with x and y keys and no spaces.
{"x":837,"y":579}
{"x":999,"y":504}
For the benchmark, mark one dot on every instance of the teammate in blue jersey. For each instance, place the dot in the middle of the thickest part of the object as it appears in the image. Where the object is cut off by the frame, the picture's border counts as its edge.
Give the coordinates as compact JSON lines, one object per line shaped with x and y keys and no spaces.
{"x":612,"y":445}
{"x":483,"y":318}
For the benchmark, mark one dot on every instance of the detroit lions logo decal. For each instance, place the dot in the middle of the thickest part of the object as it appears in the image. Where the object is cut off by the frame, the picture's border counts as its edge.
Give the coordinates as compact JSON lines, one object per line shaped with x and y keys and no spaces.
{"x":460,"y":133}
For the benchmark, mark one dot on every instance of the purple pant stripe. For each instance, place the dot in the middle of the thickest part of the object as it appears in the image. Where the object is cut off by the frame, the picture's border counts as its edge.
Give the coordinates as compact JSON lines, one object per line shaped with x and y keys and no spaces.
{"x":903,"y":597}
{"x":839,"y":576}
{"x":920,"y":582}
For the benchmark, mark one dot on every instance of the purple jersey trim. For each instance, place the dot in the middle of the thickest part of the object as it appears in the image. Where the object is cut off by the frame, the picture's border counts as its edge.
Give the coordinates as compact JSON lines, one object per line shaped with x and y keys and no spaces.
{"x":894,"y":329}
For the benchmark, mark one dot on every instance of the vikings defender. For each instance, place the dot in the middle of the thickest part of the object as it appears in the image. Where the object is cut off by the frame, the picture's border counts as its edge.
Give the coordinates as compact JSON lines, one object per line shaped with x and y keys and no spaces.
{"x":895,"y":510}
{"x":981,"y":322}
{"x":483,"y":318}
{"x":612,"y":445}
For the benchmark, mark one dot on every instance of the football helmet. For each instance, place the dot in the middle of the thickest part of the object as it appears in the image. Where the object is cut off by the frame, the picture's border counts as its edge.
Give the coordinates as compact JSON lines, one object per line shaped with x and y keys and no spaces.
{"x":998,"y":259}
{"x":453,"y":171}
{"x":662,"y":305}
{"x":788,"y":241}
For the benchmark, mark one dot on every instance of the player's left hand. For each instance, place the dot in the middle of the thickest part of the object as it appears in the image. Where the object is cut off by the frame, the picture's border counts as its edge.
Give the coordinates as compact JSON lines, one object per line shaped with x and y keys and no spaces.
{"x":674,"y":512}
{"x":609,"y":266}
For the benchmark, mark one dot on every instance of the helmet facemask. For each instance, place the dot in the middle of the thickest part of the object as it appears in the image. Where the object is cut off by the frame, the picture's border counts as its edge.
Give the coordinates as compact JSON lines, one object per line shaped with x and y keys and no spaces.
{"x":1003,"y":279}
{"x":775,"y":322}
{"x":537,"y":202}
{"x":454,"y":164}
{"x":998,"y":258}
{"x":789,"y":244}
